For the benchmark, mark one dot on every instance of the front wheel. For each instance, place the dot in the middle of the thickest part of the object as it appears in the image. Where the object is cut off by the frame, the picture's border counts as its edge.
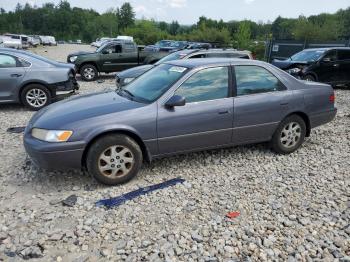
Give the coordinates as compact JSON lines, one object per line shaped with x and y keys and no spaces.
{"x":310,"y":78}
{"x":114,"y":159}
{"x":289,"y":135}
{"x":35,"y":96}
{"x":88,"y":72}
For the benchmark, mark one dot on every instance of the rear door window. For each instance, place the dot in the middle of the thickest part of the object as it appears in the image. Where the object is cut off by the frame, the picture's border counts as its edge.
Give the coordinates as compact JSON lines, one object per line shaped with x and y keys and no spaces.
{"x":344,"y":55}
{"x":255,"y":79}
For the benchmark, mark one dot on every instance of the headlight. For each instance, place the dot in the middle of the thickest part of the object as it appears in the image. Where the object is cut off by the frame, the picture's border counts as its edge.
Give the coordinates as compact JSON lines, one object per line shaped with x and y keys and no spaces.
{"x":294,"y":71}
{"x":51,"y":135}
{"x":128,"y":80}
{"x":73,"y":58}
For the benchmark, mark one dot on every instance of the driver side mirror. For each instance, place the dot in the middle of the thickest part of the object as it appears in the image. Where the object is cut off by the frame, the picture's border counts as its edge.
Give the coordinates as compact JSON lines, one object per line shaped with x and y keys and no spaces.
{"x":175,"y":101}
{"x":105,"y":52}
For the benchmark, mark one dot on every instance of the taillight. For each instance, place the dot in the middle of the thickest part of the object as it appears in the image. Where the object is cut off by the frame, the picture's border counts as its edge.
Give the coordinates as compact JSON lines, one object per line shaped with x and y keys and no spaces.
{"x":332,"y":98}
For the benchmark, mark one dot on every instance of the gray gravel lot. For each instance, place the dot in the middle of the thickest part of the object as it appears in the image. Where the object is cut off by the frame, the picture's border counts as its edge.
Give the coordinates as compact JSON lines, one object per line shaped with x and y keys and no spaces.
{"x":294,"y":207}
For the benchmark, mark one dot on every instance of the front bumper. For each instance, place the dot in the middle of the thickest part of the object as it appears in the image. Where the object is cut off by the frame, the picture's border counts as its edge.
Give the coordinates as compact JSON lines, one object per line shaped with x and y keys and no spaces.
{"x":65,"y":88}
{"x":54,"y":156}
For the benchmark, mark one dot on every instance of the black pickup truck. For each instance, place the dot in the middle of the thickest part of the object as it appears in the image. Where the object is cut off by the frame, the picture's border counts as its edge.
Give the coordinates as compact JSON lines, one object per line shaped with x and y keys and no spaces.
{"x":113,"y":56}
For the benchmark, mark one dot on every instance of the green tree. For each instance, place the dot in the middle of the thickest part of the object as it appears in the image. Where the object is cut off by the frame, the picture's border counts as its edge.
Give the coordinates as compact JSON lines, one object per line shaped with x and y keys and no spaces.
{"x":126,"y":16}
{"x":243,"y":35}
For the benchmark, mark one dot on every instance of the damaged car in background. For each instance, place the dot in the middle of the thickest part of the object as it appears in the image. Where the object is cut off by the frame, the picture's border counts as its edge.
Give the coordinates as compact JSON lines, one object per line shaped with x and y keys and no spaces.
{"x":178,"y":107}
{"x":33,"y":80}
{"x":327,"y":65}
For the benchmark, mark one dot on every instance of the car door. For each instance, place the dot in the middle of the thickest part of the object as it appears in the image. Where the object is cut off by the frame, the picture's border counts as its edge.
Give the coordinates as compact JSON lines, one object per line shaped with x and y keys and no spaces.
{"x":11,"y":75}
{"x":328,"y":70}
{"x":344,"y":65}
{"x":206,"y":119}
{"x":111,"y":58}
{"x":129,"y":56}
{"x":261,"y":102}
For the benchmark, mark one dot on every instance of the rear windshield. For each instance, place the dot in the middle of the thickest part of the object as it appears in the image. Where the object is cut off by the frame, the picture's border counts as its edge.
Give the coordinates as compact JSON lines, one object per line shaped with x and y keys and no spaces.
{"x":173,"y":56}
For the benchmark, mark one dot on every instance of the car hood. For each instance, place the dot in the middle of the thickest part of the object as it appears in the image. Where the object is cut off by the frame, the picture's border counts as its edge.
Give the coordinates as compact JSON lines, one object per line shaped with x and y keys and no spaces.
{"x":66,"y":112}
{"x":284,"y":64}
{"x":64,"y":65}
{"x":135,"y":71}
{"x":80,"y":53}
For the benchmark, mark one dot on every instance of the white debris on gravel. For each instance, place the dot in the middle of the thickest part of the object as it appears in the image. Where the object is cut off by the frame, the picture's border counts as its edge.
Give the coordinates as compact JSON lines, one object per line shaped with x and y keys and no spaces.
{"x":292,"y":208}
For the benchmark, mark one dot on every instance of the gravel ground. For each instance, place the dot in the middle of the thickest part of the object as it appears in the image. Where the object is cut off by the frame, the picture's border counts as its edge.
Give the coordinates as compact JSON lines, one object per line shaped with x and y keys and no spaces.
{"x":294,"y":207}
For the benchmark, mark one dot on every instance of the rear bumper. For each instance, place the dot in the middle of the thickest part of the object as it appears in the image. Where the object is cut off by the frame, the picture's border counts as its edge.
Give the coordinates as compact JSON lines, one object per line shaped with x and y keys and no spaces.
{"x":54,"y":156}
{"x":322,"y":118}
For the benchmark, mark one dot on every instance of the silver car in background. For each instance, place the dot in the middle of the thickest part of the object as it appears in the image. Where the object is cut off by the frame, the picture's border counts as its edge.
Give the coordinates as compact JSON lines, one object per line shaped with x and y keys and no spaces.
{"x":8,"y":42}
{"x":32,"y":80}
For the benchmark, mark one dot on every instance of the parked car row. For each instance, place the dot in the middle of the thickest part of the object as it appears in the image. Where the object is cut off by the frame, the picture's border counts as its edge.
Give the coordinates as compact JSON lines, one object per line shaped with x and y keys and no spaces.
{"x":101,"y":41}
{"x":25,"y":41}
{"x":190,"y":100}
{"x":171,"y":46}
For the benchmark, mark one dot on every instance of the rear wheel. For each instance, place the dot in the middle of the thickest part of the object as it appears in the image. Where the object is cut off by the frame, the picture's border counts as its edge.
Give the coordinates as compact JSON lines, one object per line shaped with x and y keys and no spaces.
{"x":88,"y":72}
{"x":114,"y":159}
{"x":290,"y":135}
{"x":35,"y":96}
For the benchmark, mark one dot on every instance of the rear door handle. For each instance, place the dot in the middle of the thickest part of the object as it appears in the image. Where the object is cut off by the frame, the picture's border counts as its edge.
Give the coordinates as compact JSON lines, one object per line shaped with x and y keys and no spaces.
{"x":16,"y":75}
{"x":284,"y":103}
{"x":336,"y":65}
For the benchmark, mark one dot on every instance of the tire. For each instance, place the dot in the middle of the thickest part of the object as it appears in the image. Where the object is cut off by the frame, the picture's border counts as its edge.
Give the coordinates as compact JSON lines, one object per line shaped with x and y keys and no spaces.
{"x":310,"y":78}
{"x":35,"y":96}
{"x":285,"y":140}
{"x":88,"y":72}
{"x":100,"y":164}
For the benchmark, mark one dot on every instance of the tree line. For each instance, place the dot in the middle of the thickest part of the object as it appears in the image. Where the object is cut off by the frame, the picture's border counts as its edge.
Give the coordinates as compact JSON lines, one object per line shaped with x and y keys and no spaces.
{"x":71,"y":23}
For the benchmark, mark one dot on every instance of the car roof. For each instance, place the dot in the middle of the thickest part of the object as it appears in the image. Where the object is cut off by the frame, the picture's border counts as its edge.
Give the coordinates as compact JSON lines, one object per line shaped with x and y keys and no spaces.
{"x":218,"y":50}
{"x":327,"y":48}
{"x":199,"y":62}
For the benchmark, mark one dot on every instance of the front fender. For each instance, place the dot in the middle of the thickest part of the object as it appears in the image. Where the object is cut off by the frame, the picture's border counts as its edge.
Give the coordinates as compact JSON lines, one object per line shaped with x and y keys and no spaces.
{"x":111,"y":128}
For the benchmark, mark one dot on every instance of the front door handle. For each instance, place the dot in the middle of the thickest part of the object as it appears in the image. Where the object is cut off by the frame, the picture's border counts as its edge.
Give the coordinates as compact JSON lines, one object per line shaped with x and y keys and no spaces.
{"x":336,"y":65}
{"x":284,"y":103}
{"x":224,"y":111}
{"x":16,"y":75}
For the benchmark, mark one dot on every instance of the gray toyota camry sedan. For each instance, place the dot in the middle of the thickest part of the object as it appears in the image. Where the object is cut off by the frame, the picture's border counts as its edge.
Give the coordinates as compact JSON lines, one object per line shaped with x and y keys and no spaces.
{"x":178,"y":107}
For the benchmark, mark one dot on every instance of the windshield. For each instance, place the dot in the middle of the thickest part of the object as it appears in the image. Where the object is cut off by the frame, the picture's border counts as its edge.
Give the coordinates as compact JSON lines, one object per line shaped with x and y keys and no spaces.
{"x":308,"y":55}
{"x":163,"y":43}
{"x":178,"y":44}
{"x":154,"y":83}
{"x":172,"y":56}
{"x":101,"y":47}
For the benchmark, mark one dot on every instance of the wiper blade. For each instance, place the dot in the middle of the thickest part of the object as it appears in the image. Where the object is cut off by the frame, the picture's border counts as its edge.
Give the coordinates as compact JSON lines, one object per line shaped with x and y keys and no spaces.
{"x":128,"y":92}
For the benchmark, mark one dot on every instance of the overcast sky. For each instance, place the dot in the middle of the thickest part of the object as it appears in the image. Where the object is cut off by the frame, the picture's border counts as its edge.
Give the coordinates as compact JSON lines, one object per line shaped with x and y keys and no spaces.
{"x":188,"y":11}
